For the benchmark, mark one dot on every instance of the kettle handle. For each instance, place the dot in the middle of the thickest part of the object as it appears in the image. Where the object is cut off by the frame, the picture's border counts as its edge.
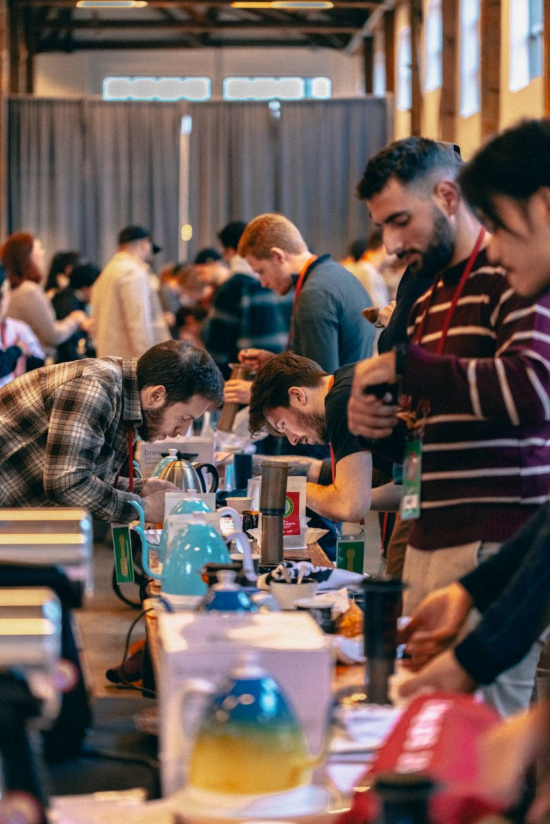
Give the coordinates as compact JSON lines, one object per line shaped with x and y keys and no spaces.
{"x":211,"y":470}
{"x":140,"y":529}
{"x":243,"y":545}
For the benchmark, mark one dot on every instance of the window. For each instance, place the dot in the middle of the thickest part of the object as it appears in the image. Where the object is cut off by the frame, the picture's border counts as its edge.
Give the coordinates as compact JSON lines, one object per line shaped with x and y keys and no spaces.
{"x":277,"y":88}
{"x":526,"y":46}
{"x":404,"y":65}
{"x":379,"y":81}
{"x":195,"y":89}
{"x":433,"y":47}
{"x":469,"y":58}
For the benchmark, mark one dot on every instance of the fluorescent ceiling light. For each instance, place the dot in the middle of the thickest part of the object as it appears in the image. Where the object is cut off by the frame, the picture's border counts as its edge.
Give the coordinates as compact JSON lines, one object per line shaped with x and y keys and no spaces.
{"x":111,"y":4}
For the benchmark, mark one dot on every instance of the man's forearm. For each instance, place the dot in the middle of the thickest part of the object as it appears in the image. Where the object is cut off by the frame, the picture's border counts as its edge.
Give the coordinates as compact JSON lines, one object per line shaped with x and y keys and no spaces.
{"x":330,"y":502}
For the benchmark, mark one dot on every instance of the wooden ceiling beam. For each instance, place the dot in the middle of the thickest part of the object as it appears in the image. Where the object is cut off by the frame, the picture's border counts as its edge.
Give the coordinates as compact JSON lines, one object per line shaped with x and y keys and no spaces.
{"x":204,"y":28}
{"x":108,"y":45}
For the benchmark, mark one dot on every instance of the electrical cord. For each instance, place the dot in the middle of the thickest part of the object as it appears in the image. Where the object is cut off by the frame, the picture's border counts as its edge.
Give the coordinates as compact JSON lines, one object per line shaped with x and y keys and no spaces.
{"x":124,"y":682}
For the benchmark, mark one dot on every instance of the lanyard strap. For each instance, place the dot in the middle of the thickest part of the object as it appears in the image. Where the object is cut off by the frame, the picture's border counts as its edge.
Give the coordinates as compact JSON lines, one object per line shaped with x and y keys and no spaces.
{"x":332,"y":459}
{"x":299,"y":285}
{"x":130,"y":461}
{"x":450,"y":311}
{"x":3,"y":333}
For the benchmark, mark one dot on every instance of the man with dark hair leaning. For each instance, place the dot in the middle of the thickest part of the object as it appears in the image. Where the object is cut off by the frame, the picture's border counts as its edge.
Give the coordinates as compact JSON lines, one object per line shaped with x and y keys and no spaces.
{"x":508,"y":184}
{"x":296,"y":399}
{"x":477,"y":374}
{"x":65,"y":430}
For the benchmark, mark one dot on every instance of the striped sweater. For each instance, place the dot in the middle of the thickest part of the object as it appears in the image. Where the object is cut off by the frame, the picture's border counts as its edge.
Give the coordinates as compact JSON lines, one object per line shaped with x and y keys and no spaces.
{"x":486,"y":455}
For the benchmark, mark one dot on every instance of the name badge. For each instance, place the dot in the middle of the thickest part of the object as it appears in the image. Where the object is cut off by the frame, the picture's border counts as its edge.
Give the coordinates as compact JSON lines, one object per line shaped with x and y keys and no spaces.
{"x":122,"y":546}
{"x":412,"y":478}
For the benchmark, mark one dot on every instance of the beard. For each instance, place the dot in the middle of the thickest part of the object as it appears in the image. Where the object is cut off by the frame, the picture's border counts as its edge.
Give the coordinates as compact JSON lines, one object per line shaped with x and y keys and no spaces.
{"x":439,"y":251}
{"x":315,"y":424}
{"x":150,"y":429}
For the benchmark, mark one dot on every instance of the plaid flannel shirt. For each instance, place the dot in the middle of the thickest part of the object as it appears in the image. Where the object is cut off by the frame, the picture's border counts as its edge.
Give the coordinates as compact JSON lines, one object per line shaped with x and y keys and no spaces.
{"x":64,"y":437}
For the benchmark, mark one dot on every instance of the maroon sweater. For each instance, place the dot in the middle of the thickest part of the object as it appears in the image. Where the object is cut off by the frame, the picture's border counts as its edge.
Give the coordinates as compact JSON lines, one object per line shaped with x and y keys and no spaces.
{"x":486,"y":455}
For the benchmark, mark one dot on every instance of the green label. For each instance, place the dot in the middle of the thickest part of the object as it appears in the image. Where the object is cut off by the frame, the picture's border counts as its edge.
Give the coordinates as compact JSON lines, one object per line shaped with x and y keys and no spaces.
{"x":412,"y":479}
{"x":122,"y":545}
{"x":350,"y":555}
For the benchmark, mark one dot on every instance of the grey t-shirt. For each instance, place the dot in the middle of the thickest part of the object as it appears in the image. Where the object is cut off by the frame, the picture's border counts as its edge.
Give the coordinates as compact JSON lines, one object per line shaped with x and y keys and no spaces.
{"x":327,"y":324}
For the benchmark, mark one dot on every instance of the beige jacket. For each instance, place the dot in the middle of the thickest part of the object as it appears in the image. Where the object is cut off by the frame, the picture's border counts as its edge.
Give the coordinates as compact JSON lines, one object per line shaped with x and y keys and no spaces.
{"x":127,"y":311}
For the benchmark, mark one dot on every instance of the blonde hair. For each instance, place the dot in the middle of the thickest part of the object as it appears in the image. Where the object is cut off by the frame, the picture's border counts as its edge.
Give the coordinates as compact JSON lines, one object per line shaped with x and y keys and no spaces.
{"x":267,"y":231}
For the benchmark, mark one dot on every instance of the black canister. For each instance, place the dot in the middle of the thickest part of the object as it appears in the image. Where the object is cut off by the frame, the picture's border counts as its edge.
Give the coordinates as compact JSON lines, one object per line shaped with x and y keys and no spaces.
{"x":382,"y":609}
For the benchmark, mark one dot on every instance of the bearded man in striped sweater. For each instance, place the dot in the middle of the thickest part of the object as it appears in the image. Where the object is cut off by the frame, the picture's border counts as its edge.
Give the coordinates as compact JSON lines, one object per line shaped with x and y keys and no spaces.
{"x":474,"y":382}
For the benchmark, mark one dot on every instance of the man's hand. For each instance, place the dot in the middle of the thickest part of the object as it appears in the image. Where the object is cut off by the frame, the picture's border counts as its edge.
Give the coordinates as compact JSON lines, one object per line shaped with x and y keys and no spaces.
{"x":385,"y":314}
{"x":237,"y":391}
{"x":444,"y":674}
{"x":368,"y":415}
{"x":435,"y":624}
{"x":253,"y":358}
{"x":154,"y":504}
{"x":154,"y":485}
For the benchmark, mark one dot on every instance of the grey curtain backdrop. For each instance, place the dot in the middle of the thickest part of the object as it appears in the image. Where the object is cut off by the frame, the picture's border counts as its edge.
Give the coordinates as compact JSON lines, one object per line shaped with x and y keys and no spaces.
{"x":80,"y":170}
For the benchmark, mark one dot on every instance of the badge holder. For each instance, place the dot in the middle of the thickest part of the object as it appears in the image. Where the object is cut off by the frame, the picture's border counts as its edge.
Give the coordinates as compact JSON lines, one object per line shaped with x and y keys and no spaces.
{"x":412,"y":469}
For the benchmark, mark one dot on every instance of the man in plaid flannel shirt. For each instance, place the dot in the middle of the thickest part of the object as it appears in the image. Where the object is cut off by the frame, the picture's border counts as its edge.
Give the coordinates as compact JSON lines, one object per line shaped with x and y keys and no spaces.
{"x":64,"y":429}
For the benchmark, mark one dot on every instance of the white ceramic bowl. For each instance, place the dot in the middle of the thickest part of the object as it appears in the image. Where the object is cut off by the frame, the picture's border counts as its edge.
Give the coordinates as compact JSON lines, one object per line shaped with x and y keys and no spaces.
{"x":287,"y":594}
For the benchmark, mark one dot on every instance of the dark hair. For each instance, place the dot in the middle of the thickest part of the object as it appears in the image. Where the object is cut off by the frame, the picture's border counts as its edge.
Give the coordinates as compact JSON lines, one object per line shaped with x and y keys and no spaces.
{"x":231,"y":234}
{"x":207,"y":256}
{"x":84,"y":274}
{"x":274,"y":379}
{"x":59,"y":263}
{"x":409,"y":161}
{"x":15,"y":255}
{"x":198,"y":313}
{"x":515,"y":164}
{"x":358,"y":248}
{"x":183,"y":369}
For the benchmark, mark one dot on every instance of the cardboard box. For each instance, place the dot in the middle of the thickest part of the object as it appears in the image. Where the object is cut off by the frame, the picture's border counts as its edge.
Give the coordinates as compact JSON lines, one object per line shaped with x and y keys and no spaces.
{"x":290,"y":647}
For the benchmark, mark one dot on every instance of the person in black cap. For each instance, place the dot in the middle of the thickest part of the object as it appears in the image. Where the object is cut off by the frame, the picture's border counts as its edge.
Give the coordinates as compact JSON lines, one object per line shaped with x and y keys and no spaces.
{"x":126,"y":308}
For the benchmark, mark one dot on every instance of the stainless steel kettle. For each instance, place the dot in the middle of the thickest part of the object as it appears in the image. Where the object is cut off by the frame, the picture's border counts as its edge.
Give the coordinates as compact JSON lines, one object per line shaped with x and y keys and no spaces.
{"x":189,"y":476}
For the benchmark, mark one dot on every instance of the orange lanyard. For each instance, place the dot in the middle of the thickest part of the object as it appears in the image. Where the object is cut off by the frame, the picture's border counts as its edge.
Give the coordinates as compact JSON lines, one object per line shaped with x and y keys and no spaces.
{"x":332,"y":459}
{"x":3,"y":333}
{"x":450,"y":311}
{"x":299,"y":285}
{"x":130,"y":461}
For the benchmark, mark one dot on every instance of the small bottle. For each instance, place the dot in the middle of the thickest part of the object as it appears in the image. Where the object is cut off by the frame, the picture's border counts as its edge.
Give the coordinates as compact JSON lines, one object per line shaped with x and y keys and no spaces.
{"x":351,"y":548}
{"x":404,"y":797}
{"x":206,"y":430}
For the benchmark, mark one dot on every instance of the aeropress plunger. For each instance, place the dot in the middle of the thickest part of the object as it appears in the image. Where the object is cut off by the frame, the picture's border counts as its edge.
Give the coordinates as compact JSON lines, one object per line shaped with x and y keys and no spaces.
{"x":382,"y":609}
{"x":272,"y":508}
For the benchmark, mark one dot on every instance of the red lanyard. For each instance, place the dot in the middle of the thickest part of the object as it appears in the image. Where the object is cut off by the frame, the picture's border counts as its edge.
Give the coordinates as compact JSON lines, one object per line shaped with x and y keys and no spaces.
{"x":450,"y":311}
{"x":332,"y":459}
{"x":130,"y":461}
{"x":3,"y":333}
{"x":299,"y":286}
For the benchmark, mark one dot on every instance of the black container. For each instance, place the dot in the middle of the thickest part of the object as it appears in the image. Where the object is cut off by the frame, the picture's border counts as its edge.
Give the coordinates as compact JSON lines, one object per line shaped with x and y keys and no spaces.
{"x":382,"y":609}
{"x":404,"y":797}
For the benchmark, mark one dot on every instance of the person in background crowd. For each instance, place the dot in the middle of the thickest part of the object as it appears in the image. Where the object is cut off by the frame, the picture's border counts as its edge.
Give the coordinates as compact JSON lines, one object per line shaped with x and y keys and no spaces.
{"x":244,"y":314}
{"x":61,"y":267}
{"x":126,"y":310}
{"x":170,"y":294}
{"x":211,"y":269}
{"x":21,"y":350}
{"x":508,"y":184}
{"x":296,"y":399}
{"x":194,"y":292}
{"x":477,"y":370}
{"x":365,"y":269}
{"x":189,"y":322}
{"x":76,"y":295}
{"x":23,"y":257}
{"x":64,"y":429}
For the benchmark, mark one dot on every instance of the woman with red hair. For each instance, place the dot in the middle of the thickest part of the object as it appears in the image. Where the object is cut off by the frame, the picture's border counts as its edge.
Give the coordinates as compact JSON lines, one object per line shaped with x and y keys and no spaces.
{"x":23,"y":258}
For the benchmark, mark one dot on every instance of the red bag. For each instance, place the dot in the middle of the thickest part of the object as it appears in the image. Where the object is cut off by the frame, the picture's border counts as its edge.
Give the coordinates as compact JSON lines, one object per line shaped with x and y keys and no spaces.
{"x":437,"y":735}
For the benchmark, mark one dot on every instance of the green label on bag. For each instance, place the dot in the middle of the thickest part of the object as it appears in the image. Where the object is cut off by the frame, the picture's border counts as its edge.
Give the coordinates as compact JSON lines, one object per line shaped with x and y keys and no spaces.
{"x":412,"y":478}
{"x":124,"y":562}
